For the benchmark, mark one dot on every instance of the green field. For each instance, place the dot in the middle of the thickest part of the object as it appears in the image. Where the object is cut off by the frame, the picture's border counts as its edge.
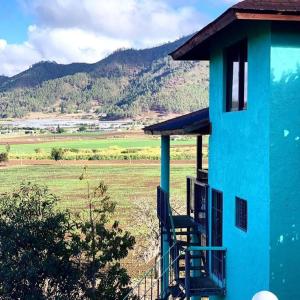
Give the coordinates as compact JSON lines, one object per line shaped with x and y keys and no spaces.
{"x":88,"y":148}
{"x":128,"y":183}
{"x":94,"y":144}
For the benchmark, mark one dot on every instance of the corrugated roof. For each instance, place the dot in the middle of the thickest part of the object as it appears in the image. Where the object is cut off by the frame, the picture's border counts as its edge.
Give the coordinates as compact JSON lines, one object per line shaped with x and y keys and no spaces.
{"x":193,"y":123}
{"x":198,"y":47}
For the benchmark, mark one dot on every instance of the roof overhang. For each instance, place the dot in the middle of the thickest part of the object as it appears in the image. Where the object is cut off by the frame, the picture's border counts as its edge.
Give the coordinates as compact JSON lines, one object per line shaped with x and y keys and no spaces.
{"x":198,"y":46}
{"x":195,"y":123}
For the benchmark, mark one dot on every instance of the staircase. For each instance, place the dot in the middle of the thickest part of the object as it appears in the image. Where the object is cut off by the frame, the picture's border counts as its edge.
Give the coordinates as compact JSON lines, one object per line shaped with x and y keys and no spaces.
{"x":193,"y":268}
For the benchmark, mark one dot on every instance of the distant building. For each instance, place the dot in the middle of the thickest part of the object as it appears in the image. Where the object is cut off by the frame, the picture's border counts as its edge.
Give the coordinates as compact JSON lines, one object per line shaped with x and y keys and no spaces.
{"x":241,"y":231}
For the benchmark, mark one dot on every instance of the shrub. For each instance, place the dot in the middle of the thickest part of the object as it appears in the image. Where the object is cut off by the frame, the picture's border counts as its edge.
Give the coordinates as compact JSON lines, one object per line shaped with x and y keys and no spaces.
{"x":57,"y":154}
{"x":59,"y":130}
{"x":38,"y":150}
{"x":3,"y":157}
{"x":104,"y":244}
{"x":36,"y":259}
{"x":82,"y":128}
{"x":48,"y":254}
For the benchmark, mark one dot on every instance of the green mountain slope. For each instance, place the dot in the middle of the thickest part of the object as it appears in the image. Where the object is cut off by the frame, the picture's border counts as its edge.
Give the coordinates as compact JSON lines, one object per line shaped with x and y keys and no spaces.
{"x":125,"y":84}
{"x":3,"y":79}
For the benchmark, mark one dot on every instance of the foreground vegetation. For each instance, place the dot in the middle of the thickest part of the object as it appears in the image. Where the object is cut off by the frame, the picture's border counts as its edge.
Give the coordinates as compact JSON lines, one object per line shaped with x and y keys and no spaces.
{"x":131,"y":186}
{"x":132,"y":182}
{"x":51,"y":254}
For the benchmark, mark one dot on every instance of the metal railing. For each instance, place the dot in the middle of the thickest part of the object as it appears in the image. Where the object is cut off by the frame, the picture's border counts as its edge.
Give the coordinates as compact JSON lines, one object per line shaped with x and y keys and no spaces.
{"x":148,"y":287}
{"x":216,"y":271}
{"x":164,"y":213}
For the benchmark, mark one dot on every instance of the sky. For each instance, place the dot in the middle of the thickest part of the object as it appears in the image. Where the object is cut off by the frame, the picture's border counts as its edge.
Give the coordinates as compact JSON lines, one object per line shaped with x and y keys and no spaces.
{"x":68,"y":31}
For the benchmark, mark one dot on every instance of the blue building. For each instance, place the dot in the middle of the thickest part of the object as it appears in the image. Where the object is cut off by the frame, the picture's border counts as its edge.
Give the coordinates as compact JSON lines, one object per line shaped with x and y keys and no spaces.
{"x":240,"y":234}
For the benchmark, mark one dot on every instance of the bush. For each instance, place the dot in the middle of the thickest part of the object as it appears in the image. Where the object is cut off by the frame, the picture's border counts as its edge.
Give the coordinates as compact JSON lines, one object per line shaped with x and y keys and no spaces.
{"x":47,"y":254}
{"x":36,"y":259}
{"x":3,"y":157}
{"x":82,"y":128}
{"x":59,"y":130}
{"x":38,"y":150}
{"x":57,"y":154}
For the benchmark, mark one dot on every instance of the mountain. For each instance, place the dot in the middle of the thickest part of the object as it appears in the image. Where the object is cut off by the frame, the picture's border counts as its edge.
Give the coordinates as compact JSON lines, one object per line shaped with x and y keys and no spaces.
{"x":124,"y":84}
{"x":3,"y":79}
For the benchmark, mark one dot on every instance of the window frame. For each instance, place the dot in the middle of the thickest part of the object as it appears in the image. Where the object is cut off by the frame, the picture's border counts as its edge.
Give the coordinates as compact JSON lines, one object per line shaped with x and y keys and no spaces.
{"x":239,"y":49}
{"x":241,"y":214}
{"x":217,"y":214}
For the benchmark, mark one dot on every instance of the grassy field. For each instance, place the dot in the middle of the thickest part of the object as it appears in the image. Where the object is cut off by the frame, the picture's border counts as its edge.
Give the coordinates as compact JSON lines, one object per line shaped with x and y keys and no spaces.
{"x":128,"y":184}
{"x":122,"y":148}
{"x":145,"y":142}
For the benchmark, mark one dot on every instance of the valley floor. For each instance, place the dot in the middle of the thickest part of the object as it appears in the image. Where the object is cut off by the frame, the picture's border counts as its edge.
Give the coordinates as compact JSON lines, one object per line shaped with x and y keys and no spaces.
{"x":132,"y":182}
{"x":129,"y":184}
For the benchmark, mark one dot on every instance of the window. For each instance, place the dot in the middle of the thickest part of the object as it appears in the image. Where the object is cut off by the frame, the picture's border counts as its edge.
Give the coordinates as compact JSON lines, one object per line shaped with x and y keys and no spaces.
{"x":217,"y":218}
{"x":217,"y":233}
{"x":241,"y":214}
{"x":237,"y":77}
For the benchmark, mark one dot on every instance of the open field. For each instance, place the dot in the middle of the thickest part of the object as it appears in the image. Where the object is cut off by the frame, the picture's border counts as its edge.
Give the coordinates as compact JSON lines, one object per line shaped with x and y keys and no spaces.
{"x":131,"y":146}
{"x":129,"y":183}
{"x":93,"y":144}
{"x":128,"y":162}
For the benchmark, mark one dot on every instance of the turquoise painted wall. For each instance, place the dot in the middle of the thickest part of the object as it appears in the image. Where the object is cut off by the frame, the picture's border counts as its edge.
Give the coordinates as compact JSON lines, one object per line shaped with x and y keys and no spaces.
{"x":239,"y":161}
{"x":285,"y":162}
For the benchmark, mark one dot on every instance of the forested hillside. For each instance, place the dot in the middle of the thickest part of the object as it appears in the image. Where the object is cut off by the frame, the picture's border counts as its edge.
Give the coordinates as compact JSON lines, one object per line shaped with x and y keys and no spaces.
{"x":125,"y":84}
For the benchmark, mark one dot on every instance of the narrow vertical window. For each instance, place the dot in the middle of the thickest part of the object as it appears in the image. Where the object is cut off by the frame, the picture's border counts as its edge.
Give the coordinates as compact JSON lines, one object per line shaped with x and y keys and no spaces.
{"x":237,"y":77}
{"x":217,"y":218}
{"x":217,"y":233}
{"x":241,"y":214}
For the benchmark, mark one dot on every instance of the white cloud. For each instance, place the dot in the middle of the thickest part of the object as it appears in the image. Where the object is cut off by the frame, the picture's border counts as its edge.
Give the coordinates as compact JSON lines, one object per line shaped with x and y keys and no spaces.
{"x":87,"y":30}
{"x":72,"y":44}
{"x":16,"y":58}
{"x":130,"y":19}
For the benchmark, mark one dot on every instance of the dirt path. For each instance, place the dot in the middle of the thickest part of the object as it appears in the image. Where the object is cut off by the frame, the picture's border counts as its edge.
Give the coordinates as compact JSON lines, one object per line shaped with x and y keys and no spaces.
{"x":31,"y":162}
{"x":35,"y":139}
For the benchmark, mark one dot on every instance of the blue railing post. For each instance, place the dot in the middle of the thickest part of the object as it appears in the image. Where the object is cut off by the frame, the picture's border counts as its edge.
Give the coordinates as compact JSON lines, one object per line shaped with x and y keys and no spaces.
{"x":165,"y":186}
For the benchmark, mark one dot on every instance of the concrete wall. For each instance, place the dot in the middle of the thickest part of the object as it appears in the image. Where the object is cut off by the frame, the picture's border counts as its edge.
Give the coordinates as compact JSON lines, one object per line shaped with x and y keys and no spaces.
{"x":285,"y":162}
{"x":239,"y":162}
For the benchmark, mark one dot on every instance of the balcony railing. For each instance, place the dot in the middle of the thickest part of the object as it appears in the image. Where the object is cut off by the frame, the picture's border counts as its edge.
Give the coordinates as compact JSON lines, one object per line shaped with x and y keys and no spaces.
{"x":197,"y":202}
{"x":194,"y":268}
{"x":162,"y":207}
{"x":211,"y":281}
{"x":202,"y":175}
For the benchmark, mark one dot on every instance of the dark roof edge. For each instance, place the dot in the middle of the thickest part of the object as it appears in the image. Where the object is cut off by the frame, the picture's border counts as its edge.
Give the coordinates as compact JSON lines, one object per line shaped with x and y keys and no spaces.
{"x":186,"y":124}
{"x":228,"y":17}
{"x":192,"y":42}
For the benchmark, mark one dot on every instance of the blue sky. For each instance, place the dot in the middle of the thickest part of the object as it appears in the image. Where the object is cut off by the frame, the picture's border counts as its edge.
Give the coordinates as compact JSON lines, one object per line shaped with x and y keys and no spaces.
{"x":88,"y":30}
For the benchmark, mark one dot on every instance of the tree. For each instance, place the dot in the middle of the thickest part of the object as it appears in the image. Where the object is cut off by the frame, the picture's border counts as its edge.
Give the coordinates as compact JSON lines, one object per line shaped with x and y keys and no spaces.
{"x":59,"y":130}
{"x":102,"y":276}
{"x":82,"y":128}
{"x":48,"y":254}
{"x":149,"y":249}
{"x":57,"y":153}
{"x":38,"y":150}
{"x":3,"y":157}
{"x":7,"y":148}
{"x":37,"y":247}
